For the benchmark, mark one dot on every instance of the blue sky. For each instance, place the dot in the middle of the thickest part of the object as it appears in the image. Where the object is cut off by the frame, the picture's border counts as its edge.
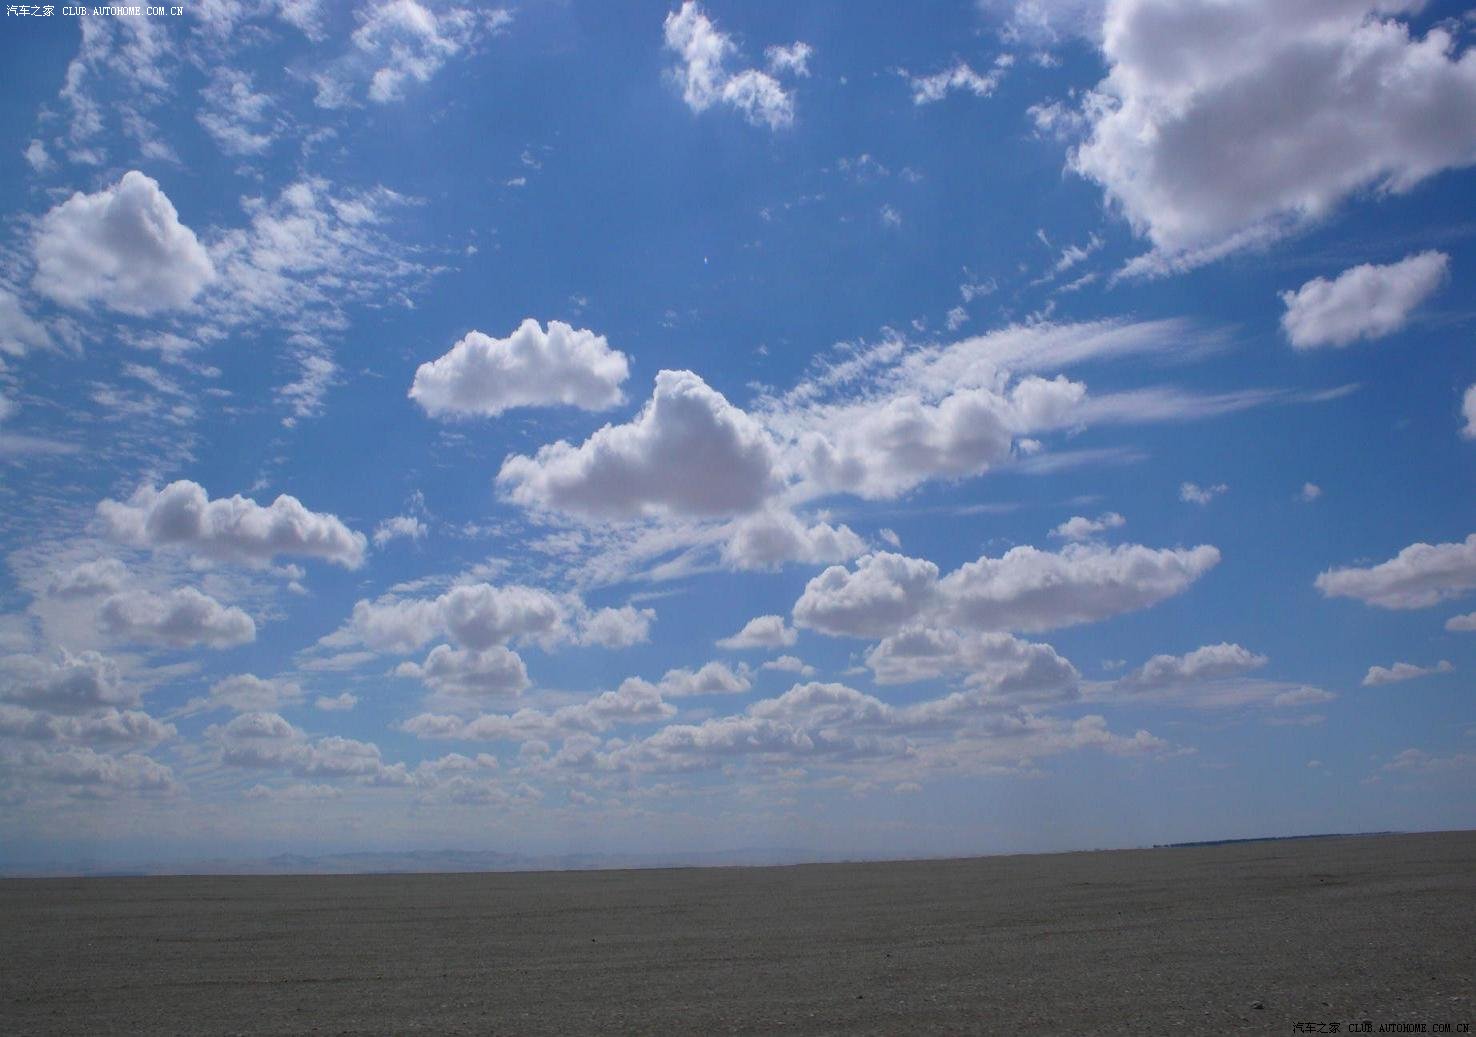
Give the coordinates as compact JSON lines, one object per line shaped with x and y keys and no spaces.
{"x":561,"y":427}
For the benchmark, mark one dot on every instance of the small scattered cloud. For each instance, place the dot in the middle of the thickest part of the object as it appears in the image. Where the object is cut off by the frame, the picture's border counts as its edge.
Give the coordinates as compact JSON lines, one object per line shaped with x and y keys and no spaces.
{"x":1364,"y":302}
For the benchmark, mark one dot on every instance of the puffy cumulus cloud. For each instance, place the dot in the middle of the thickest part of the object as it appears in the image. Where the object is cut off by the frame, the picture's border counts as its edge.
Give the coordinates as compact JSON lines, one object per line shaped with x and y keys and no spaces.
{"x":1003,"y":666}
{"x":835,"y":725}
{"x":1023,"y":590}
{"x":248,"y":693}
{"x":455,"y":673}
{"x":1079,"y":527}
{"x":105,"y":726}
{"x":1310,"y":492}
{"x":266,"y":741}
{"x":789,"y":664}
{"x":485,"y":376}
{"x":1364,"y":301}
{"x":1027,"y":589}
{"x":89,"y":579}
{"x":100,"y":773}
{"x":1221,"y":124}
{"x":123,"y":247}
{"x":762,"y":632}
{"x":479,"y":616}
{"x":65,"y":683}
{"x":634,"y":702}
{"x":1207,"y":663}
{"x":615,"y":627}
{"x":1462,"y":624}
{"x":959,"y":76}
{"x":1212,"y":677}
{"x":883,"y":593}
{"x":688,"y":453}
{"x":407,"y":527}
{"x":715,"y":678}
{"x":705,"y":80}
{"x":340,"y":703}
{"x":1417,"y":577}
{"x":768,"y":539}
{"x":230,"y":529}
{"x":1468,"y":412}
{"x":1402,"y":672}
{"x":19,"y":331}
{"x":882,"y":448}
{"x":181,"y":618}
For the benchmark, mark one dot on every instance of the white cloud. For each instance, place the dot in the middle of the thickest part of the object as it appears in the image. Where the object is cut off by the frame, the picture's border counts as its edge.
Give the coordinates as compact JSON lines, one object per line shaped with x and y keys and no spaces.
{"x":1468,"y":411}
{"x":89,"y":579}
{"x":1002,"y":666}
{"x":1417,"y":577}
{"x":793,"y":59}
{"x":881,"y":448}
{"x":1028,"y":590}
{"x":1309,"y":493}
{"x":714,"y":678}
{"x":770,"y":538}
{"x":1417,"y":761}
{"x":689,"y":452}
{"x":789,"y":664}
{"x":399,"y":42}
{"x":342,"y":702}
{"x":1210,"y":662}
{"x":123,"y":247}
{"x":705,"y":80}
{"x":634,"y":702}
{"x":265,"y":740}
{"x":246,"y":693}
{"x":1023,"y":590}
{"x":1220,"y":125}
{"x":884,"y":592}
{"x":1402,"y":672}
{"x":615,"y":627}
{"x":1079,"y":527}
{"x":100,"y":772}
{"x":407,"y":526}
{"x":231,"y":529}
{"x":1364,"y":301}
{"x":958,"y":76}
{"x":493,"y":672}
{"x":1213,"y":677}
{"x":65,"y":683}
{"x":1193,"y":493}
{"x":477,"y":616}
{"x":179,"y":619}
{"x":19,"y":331}
{"x":37,"y":156}
{"x":762,"y":632}
{"x":235,"y":115}
{"x":1462,"y":624}
{"x":485,"y":376}
{"x":100,"y":726}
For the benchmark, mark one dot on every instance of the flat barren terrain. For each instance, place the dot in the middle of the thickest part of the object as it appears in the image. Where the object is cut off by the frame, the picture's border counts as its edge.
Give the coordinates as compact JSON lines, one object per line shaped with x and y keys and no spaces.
{"x":1261,"y":937}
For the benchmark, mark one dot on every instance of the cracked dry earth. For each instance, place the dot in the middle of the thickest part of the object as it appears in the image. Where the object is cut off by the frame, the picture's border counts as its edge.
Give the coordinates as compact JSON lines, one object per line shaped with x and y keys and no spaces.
{"x":1254,"y":937}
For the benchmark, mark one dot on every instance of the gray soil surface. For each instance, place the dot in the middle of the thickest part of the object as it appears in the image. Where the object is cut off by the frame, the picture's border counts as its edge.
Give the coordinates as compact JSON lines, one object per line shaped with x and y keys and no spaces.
{"x":1251,"y":936}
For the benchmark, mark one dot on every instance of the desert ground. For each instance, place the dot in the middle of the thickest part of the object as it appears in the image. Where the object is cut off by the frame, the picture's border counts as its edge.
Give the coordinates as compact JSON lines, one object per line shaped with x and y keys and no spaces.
{"x":1260,"y":937}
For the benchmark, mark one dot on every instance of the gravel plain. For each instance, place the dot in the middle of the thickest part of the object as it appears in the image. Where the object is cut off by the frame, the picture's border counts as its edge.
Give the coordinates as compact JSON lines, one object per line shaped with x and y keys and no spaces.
{"x":1258,"y":937}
